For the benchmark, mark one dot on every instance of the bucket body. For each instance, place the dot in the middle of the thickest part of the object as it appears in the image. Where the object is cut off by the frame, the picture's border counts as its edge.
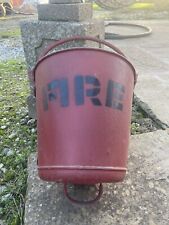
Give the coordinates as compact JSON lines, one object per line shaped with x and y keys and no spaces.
{"x":84,"y":104}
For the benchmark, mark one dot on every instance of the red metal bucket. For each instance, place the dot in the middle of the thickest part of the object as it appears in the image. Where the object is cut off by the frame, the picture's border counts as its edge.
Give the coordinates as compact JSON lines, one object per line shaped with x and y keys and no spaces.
{"x":84,"y":104}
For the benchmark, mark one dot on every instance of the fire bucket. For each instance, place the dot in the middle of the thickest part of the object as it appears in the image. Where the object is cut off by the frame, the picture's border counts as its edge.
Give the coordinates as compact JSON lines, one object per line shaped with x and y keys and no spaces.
{"x":84,"y":104}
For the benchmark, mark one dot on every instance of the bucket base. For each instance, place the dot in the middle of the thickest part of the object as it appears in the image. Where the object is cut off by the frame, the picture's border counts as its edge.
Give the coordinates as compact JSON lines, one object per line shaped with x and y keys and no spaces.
{"x":81,"y":176}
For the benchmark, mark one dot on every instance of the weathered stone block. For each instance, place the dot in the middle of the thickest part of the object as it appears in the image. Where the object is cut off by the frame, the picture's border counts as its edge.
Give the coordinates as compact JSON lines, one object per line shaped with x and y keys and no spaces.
{"x":37,"y":35}
{"x":65,"y":12}
{"x":64,"y":1}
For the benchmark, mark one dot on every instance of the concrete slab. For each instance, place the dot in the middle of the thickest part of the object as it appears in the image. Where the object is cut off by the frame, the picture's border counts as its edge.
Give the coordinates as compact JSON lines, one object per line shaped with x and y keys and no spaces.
{"x":151,"y":59}
{"x":65,"y":12}
{"x":142,"y":199}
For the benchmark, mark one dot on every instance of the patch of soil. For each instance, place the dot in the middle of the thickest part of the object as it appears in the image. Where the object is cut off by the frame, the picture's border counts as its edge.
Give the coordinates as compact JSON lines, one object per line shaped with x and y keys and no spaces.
{"x":143,"y":119}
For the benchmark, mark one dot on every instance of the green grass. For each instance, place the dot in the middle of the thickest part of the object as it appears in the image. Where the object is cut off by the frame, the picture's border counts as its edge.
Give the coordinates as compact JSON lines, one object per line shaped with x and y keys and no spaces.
{"x":141,"y":6}
{"x":135,"y":6}
{"x":15,"y":32}
{"x":96,"y":7}
{"x":17,"y":140}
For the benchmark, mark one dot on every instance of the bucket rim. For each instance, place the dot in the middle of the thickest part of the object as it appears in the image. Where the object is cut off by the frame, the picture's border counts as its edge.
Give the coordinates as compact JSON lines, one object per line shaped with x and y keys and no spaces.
{"x":84,"y":48}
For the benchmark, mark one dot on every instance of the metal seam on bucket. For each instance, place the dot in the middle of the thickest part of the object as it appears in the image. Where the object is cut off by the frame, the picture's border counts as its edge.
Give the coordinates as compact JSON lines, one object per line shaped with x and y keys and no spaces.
{"x":84,"y":168}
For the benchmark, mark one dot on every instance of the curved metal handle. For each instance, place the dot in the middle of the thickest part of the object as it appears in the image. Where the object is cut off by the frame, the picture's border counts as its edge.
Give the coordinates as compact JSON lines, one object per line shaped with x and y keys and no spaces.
{"x":100,"y":192}
{"x":80,"y":38}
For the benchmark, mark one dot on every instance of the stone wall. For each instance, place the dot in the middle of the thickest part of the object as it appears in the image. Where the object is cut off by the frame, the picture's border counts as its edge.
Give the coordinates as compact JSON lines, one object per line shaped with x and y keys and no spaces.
{"x":57,"y":20}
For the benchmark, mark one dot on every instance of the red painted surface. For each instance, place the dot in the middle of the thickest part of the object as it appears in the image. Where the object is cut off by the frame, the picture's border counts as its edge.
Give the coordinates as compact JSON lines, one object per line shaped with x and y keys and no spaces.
{"x":83,"y":144}
{"x":16,"y":3}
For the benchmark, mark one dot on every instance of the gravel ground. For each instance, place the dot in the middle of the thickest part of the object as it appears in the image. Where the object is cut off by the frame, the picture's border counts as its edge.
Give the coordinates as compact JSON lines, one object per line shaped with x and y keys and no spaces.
{"x":11,"y":49}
